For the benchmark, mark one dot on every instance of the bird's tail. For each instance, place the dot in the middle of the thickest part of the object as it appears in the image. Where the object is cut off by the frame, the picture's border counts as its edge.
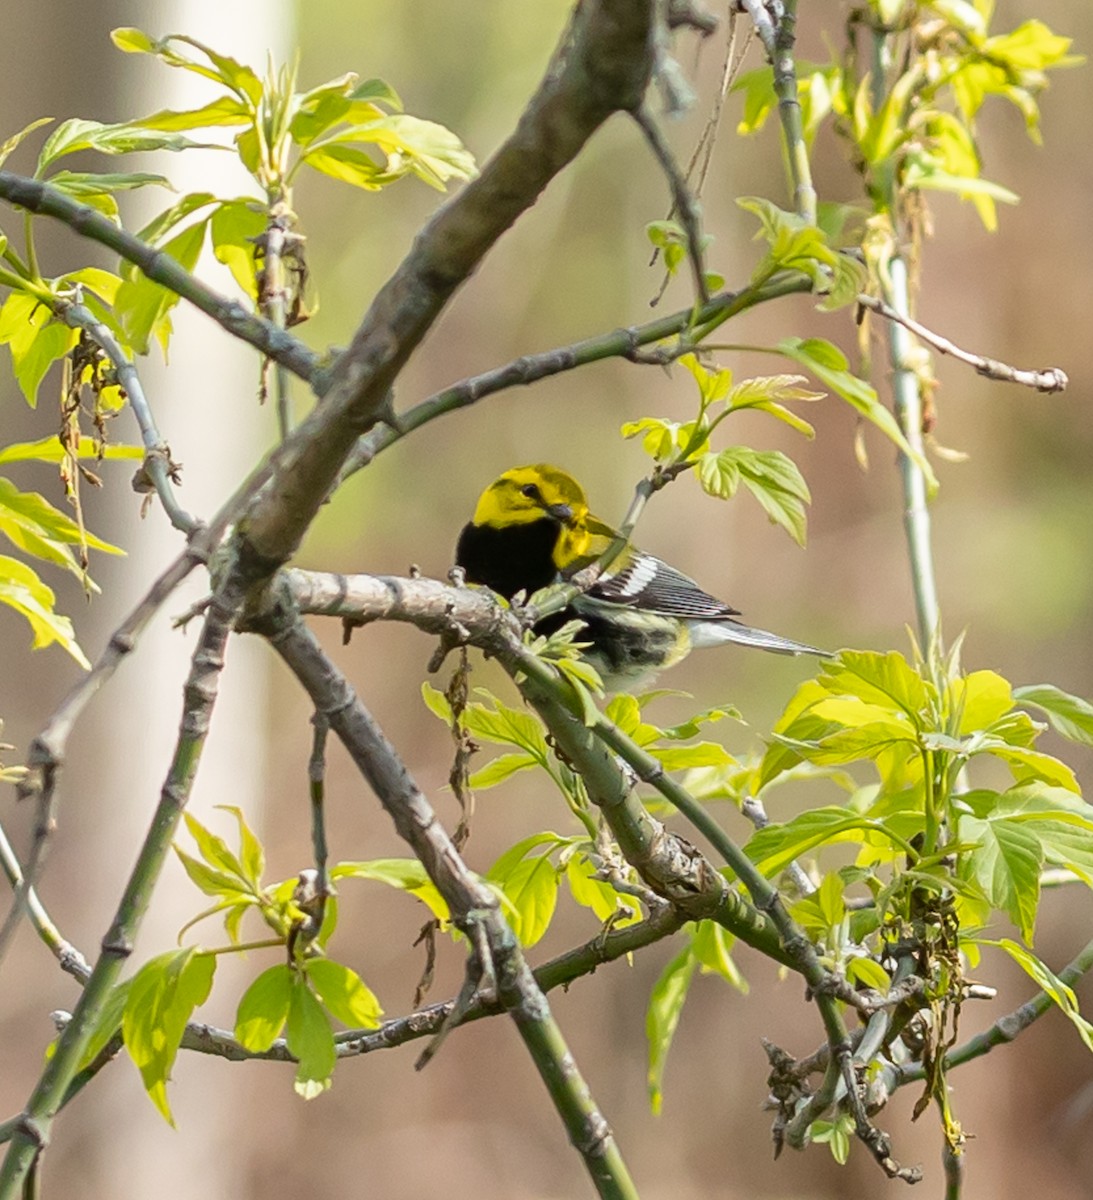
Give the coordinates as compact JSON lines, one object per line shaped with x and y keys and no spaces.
{"x":716,"y":633}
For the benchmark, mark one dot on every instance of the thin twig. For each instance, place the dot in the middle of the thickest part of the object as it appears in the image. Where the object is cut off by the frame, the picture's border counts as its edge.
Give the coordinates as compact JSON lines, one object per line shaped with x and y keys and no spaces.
{"x":69,"y":958}
{"x":778,"y":42}
{"x":157,"y":465}
{"x":160,"y":267}
{"x":528,"y":369}
{"x":1049,"y":379}
{"x":683,"y":200}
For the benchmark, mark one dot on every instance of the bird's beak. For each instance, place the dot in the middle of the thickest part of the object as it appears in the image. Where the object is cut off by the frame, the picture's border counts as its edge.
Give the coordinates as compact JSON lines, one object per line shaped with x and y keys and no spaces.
{"x":561,"y":513}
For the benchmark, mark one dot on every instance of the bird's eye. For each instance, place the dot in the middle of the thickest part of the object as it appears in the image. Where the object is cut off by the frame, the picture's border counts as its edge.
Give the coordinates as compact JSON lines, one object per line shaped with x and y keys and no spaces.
{"x":531,"y":491}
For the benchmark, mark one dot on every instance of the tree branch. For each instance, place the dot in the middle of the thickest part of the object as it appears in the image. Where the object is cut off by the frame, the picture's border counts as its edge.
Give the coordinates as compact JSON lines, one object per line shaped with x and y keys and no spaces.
{"x":602,"y":67}
{"x":497,"y":956}
{"x":160,"y":267}
{"x":530,"y":368}
{"x":1049,"y":379}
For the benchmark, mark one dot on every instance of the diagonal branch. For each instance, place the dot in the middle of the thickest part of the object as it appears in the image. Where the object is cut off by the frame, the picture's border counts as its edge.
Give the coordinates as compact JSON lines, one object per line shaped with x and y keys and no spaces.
{"x":1047,"y":379}
{"x":497,"y":956}
{"x":530,"y":368}
{"x":602,"y":67}
{"x":282,"y":347}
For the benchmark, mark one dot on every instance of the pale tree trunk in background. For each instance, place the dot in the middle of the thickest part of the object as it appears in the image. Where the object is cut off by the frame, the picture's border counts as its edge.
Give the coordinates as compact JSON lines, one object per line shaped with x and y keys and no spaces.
{"x":113,"y":1142}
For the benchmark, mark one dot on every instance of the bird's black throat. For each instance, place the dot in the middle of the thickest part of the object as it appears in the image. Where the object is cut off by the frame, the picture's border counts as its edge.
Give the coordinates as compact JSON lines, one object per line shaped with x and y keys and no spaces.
{"x":511,"y":558}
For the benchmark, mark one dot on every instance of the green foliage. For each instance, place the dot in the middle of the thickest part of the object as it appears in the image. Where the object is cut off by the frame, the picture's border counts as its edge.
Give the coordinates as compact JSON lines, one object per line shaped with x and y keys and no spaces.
{"x":350,"y":129}
{"x":919,"y":729}
{"x":151,"y":1010}
{"x":915,"y":130}
{"x":770,"y":476}
{"x":708,"y":951}
{"x":794,"y":244}
{"x":161,"y":997}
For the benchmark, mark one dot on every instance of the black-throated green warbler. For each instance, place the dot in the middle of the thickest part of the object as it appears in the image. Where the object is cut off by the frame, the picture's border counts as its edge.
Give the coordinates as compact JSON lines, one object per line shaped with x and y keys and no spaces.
{"x":532,"y":527}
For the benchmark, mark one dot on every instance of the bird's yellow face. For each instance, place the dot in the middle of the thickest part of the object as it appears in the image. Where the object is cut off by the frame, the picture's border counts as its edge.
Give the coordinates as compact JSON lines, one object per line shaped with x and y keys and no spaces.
{"x":526,"y":494}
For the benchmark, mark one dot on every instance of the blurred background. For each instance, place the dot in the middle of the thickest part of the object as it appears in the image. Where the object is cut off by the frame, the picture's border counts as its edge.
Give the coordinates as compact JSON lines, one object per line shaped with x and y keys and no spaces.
{"x":1014,"y":548}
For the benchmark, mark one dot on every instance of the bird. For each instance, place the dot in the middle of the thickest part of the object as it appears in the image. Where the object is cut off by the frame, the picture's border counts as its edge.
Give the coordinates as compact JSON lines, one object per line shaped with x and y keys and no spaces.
{"x":532,"y":527}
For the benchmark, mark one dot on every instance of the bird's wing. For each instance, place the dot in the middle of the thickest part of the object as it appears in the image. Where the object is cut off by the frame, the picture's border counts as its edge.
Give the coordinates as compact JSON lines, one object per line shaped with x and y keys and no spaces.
{"x":646,"y":583}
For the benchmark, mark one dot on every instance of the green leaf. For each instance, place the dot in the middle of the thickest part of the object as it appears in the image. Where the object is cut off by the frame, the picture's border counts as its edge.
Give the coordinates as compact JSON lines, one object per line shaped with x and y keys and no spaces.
{"x":233,"y":229}
{"x":163,"y":995}
{"x":713,"y":386}
{"x":507,"y":727}
{"x":719,"y":475}
{"x":86,"y":185}
{"x":597,"y":894}
{"x":263,"y":1008}
{"x":240,"y":79}
{"x":979,"y":699}
{"x":143,"y":306}
{"x":759,"y":99}
{"x":662,"y":1019}
{"x":659,"y":438}
{"x":531,"y":887}
{"x":377,"y":91}
{"x":77,"y":134}
{"x":869,"y":972}
{"x":499,"y":769}
{"x":775,"y":846}
{"x":251,"y":855}
{"x":712,"y":945}
{"x":756,"y":393}
{"x":406,"y":874}
{"x":156,"y":229}
{"x":349,"y":165}
{"x":214,"y":850}
{"x":702,"y":754}
{"x":829,"y":365}
{"x":1049,"y":983}
{"x":50,"y":450}
{"x":344,"y":993}
{"x":210,"y":880}
{"x":430,"y":151}
{"x":887,"y":680}
{"x":311,"y":1041}
{"x":34,"y":525}
{"x":21,"y":589}
{"x":1006,"y":865}
{"x":691,"y":726}
{"x":1062,"y":822}
{"x":224,"y":110}
{"x":436,"y":702}
{"x":771,"y":477}
{"x":1069,"y":715}
{"x":35,"y":338}
{"x":11,"y":143}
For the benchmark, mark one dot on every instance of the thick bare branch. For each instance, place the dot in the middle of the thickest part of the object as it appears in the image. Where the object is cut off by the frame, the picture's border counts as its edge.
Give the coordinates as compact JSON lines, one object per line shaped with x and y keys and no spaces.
{"x":603,"y":66}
